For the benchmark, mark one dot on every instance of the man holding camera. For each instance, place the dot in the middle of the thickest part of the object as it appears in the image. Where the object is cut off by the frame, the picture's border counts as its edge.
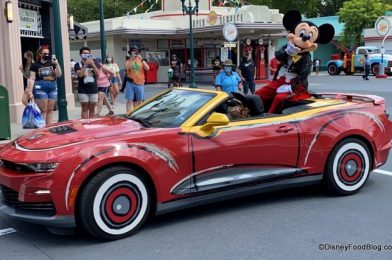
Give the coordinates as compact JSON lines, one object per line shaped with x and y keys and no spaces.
{"x":87,"y":73}
{"x":135,"y":68}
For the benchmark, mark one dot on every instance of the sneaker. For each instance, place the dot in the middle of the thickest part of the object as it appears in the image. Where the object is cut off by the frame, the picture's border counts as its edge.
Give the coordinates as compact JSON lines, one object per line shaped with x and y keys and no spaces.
{"x":110,"y":113}
{"x":113,"y":105}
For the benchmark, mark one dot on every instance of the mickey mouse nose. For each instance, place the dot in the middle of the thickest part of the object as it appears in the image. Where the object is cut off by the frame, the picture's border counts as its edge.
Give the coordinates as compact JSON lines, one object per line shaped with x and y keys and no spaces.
{"x":305,"y":38}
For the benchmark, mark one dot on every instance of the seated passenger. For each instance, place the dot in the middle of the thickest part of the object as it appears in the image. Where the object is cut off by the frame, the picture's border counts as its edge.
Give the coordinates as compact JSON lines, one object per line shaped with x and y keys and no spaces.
{"x":236,"y":110}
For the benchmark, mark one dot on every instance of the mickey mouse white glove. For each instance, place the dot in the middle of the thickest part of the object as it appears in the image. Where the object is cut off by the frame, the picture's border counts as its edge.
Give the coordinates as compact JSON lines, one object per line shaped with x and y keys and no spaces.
{"x":291,"y":49}
{"x":284,"y":89}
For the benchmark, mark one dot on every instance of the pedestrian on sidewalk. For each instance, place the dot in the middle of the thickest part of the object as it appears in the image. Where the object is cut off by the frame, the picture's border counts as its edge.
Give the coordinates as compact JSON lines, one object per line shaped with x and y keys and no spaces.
{"x":87,"y":73}
{"x":228,"y":80}
{"x":135,"y":68}
{"x":247,"y":73}
{"x":115,"y":79}
{"x":103,"y":82}
{"x":124,"y":82}
{"x":42,"y":82}
{"x":216,"y":68}
{"x":366,"y":67}
{"x":176,"y":66}
{"x":273,"y":66}
{"x":26,"y":68}
{"x":317,"y":66}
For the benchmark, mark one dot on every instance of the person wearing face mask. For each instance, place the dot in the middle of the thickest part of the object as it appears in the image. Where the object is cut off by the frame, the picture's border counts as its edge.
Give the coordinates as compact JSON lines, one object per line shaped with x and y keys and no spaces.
{"x":87,"y":72}
{"x":115,"y":80}
{"x":228,"y":80}
{"x":135,"y":68}
{"x":247,"y":69}
{"x":42,"y":85}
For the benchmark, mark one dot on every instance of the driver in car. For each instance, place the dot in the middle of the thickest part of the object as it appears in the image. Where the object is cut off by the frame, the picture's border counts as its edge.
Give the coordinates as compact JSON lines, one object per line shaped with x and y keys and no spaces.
{"x":236,"y":110}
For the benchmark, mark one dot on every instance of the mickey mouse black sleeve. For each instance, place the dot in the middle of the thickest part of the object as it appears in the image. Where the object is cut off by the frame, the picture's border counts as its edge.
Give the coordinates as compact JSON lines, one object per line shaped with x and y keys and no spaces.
{"x":281,"y":55}
{"x":305,"y":70}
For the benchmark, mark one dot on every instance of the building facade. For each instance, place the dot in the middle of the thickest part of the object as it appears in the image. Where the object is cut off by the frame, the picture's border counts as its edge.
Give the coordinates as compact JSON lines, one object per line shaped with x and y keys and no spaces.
{"x":31,"y":27}
{"x":163,"y":33}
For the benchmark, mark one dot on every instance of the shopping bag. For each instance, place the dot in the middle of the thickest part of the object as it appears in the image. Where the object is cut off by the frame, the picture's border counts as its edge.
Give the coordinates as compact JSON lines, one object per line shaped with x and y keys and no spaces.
{"x":32,"y":117}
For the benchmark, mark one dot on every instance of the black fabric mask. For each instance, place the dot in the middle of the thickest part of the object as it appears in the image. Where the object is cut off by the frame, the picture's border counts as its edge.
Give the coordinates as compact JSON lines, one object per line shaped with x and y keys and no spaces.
{"x":46,"y":57}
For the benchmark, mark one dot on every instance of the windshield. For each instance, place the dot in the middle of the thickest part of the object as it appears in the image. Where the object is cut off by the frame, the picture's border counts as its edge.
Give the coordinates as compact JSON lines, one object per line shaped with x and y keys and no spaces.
{"x":171,"y":109}
{"x":373,"y":51}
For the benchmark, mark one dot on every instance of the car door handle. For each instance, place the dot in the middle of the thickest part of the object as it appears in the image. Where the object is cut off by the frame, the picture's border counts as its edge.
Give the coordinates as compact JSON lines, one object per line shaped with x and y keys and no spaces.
{"x":284,"y":129}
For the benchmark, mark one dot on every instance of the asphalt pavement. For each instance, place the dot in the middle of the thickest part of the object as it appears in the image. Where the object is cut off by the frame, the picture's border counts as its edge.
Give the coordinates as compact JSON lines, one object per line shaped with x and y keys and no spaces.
{"x":301,"y":223}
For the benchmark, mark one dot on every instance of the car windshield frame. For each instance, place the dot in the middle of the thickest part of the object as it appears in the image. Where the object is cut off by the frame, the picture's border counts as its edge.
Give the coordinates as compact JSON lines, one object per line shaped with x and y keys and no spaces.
{"x":373,"y":51}
{"x":171,"y":108}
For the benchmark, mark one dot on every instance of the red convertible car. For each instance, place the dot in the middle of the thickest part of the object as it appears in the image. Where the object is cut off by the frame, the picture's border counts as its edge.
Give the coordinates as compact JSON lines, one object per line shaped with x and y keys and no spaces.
{"x":180,"y":149}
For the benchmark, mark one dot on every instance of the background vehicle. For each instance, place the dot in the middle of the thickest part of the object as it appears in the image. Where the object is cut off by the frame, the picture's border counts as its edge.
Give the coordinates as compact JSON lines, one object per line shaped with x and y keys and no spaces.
{"x":353,"y":62}
{"x":180,"y":149}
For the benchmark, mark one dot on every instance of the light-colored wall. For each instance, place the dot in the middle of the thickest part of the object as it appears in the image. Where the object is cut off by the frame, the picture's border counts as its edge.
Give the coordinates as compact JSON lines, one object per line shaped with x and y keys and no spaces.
{"x":11,"y":54}
{"x":11,"y":59}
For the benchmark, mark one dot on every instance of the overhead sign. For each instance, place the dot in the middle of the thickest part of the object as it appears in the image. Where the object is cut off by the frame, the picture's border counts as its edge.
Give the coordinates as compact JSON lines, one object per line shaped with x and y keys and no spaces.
{"x":212,"y":17}
{"x":230,"y":32}
{"x":28,"y":20}
{"x":177,"y":44}
{"x":383,"y":26}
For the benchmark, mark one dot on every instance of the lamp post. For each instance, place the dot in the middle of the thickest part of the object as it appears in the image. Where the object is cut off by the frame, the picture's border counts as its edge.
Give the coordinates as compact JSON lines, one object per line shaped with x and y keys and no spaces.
{"x":190,"y":10}
{"x":102,"y":29}
{"x":58,"y":43}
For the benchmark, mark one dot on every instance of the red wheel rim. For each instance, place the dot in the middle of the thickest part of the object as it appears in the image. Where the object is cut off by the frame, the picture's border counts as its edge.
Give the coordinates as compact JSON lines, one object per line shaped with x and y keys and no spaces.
{"x":121,"y":205}
{"x":351,"y":168}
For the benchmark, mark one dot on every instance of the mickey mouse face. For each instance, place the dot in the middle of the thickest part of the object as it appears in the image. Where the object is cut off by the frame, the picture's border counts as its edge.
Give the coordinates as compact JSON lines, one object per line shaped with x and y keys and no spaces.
{"x":305,"y":35}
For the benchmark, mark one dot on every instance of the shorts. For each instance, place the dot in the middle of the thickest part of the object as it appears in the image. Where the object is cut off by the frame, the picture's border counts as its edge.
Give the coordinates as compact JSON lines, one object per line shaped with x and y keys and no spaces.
{"x":85,"y":98}
{"x":114,"y":80}
{"x":45,"y":89}
{"x":103,"y":89}
{"x":133,"y":91}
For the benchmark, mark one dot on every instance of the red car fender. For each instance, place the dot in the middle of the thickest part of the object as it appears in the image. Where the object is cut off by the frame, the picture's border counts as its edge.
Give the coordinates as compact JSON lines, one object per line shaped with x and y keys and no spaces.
{"x":154,"y":166}
{"x":319,"y":143}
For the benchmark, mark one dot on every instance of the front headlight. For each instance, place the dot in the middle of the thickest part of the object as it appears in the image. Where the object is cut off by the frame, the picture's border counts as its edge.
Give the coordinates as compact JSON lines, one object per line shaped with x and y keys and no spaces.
{"x":42,"y":167}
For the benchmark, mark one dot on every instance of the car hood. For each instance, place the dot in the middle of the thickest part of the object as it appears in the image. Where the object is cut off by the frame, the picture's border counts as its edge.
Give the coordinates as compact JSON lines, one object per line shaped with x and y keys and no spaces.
{"x":386,"y":57}
{"x":78,"y":131}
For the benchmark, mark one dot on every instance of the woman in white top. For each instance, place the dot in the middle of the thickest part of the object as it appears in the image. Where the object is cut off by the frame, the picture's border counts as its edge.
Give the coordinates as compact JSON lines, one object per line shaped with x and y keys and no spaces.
{"x":115,"y":80}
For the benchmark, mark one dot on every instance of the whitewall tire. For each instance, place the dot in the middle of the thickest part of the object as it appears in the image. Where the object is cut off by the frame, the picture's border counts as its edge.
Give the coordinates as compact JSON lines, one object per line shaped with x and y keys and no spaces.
{"x":115,"y":203}
{"x":348,"y":167}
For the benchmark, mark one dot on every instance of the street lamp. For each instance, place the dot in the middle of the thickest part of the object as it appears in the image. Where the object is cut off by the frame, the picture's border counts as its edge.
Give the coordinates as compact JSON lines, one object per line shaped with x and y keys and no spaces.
{"x":58,"y":43}
{"x":102,"y":30}
{"x":191,"y":10}
{"x":9,"y":13}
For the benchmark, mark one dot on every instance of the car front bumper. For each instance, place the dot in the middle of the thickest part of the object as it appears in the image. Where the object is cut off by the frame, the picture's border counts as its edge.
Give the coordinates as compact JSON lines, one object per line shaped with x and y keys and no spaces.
{"x":55,"y":221}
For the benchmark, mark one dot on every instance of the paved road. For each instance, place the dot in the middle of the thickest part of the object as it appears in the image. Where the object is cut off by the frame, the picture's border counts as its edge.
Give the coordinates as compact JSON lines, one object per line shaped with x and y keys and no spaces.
{"x":291,"y":224}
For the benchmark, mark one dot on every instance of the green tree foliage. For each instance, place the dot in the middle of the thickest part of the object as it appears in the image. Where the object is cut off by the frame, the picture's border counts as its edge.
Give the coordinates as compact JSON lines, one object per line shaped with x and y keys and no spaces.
{"x":358,"y":15}
{"x":88,"y":10}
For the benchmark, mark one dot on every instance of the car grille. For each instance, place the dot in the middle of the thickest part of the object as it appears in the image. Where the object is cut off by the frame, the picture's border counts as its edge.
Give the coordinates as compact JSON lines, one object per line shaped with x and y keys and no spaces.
{"x":10,"y":198}
{"x":14,"y":166}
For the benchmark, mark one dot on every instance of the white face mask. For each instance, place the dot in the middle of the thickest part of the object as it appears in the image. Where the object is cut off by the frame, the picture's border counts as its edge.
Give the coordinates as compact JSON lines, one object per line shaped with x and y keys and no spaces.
{"x":109,"y":59}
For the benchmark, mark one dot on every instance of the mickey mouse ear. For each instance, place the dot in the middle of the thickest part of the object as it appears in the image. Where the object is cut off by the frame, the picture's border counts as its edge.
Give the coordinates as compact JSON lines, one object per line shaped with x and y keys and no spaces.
{"x":326,"y":33}
{"x":291,"y":19}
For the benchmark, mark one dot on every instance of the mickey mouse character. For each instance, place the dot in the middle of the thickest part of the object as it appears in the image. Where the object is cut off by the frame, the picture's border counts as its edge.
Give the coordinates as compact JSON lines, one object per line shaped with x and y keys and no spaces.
{"x":290,"y":82}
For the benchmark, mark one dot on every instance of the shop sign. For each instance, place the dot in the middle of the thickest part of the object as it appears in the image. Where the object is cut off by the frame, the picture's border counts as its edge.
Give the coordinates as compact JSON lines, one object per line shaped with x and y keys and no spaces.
{"x":212,"y":18}
{"x":177,"y":44}
{"x":230,"y":32}
{"x":28,"y":20}
{"x":229,"y":45}
{"x":383,"y":26}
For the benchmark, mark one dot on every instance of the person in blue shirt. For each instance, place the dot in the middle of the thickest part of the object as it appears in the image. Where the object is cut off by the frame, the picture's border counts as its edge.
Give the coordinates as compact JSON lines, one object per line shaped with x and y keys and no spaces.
{"x":228,"y":80}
